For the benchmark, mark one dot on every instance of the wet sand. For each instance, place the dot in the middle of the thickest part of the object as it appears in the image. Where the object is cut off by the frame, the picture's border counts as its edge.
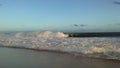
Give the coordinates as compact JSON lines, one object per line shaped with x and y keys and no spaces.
{"x":23,"y":58}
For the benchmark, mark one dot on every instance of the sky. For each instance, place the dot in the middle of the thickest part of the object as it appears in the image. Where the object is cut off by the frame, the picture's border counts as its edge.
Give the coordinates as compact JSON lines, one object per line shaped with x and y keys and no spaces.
{"x":60,"y":15}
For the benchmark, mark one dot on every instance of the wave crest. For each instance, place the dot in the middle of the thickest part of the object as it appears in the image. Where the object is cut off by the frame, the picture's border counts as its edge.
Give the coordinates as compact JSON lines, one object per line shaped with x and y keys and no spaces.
{"x":46,"y":34}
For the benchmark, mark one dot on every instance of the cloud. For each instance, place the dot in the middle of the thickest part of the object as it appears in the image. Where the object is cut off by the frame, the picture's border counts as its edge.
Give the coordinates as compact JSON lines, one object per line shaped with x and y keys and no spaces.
{"x":116,"y":2}
{"x":0,"y":4}
{"x":117,"y":24}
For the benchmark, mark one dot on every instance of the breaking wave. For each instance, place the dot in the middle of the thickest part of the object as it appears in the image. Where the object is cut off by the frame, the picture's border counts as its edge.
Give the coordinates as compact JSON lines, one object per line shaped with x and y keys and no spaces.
{"x":104,"y":47}
{"x":42,"y":34}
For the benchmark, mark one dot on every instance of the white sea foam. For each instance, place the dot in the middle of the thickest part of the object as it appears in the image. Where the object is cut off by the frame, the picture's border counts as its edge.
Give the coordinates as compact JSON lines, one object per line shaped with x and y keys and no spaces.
{"x":42,"y":34}
{"x":107,"y":48}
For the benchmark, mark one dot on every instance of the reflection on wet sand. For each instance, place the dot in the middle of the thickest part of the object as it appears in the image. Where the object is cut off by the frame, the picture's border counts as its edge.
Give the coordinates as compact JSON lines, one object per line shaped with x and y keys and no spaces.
{"x":22,"y":58}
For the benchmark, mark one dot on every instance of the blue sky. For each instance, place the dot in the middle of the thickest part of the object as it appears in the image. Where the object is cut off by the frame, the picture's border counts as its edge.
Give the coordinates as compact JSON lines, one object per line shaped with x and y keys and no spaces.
{"x":59,"y":15}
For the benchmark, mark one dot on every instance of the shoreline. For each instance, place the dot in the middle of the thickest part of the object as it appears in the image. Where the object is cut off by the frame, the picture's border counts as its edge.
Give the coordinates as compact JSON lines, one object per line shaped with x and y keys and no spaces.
{"x":68,"y":53}
{"x":77,"y":46}
{"x":104,"y":47}
{"x":32,"y":58}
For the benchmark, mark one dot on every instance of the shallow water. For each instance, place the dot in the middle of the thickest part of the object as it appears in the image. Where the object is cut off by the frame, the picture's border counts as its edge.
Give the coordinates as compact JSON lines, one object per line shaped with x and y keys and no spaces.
{"x":21,"y":58}
{"x":96,"y":47}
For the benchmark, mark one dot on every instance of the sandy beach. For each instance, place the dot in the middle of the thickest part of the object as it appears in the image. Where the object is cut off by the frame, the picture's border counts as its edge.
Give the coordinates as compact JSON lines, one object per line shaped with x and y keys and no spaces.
{"x":17,"y":58}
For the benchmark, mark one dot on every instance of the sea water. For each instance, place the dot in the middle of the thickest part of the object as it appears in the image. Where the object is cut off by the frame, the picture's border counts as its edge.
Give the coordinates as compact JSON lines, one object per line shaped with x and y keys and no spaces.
{"x":102,"y":47}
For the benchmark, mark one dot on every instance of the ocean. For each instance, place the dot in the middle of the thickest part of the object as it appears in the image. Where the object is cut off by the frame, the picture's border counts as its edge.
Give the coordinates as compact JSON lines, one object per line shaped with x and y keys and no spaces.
{"x":100,"y":48}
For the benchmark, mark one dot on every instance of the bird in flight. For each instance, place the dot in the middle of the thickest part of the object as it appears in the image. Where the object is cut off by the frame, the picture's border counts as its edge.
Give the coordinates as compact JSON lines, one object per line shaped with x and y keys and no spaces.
{"x":76,"y":25}
{"x":81,"y":25}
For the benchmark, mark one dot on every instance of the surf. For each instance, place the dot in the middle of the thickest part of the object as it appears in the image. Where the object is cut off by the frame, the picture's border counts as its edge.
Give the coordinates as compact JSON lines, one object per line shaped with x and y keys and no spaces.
{"x":95,"y":47}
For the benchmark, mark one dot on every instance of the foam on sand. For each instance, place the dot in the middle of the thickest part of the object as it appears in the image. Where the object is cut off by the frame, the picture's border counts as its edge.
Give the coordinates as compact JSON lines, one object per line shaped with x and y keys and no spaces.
{"x":105,"y":47}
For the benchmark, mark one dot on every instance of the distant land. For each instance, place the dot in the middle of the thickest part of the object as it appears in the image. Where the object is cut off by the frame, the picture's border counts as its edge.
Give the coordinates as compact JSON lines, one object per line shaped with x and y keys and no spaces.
{"x":95,"y":34}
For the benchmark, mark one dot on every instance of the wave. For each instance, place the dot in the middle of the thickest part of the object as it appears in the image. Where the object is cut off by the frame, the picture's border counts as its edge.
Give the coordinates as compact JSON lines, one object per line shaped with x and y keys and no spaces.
{"x":104,"y":47}
{"x":42,"y":34}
